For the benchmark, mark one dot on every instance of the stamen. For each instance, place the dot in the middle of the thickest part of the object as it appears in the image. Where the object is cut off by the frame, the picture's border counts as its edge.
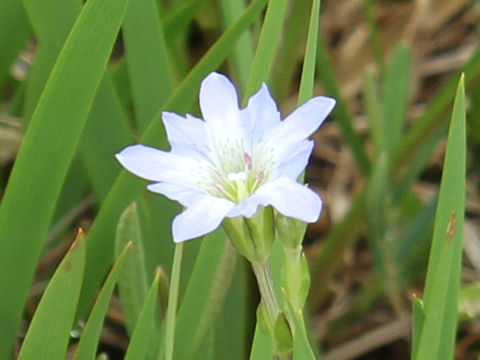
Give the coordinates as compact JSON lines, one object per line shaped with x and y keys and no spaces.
{"x":248,"y":160}
{"x":260,"y":177}
{"x":258,"y":181}
{"x":223,"y":191}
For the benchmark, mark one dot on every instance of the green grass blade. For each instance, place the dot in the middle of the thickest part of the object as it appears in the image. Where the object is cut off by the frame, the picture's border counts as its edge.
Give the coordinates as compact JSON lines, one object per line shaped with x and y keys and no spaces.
{"x":127,"y":187}
{"x":106,"y":115}
{"x":373,"y":110}
{"x":418,"y":318}
{"x":205,"y":294}
{"x":47,"y":338}
{"x":242,"y":57}
{"x":36,"y":179}
{"x":173,"y":292}
{"x":140,"y":340}
{"x":442,"y":285}
{"x":236,"y":320}
{"x":289,"y":54}
{"x":376,"y":207}
{"x":308,"y":70}
{"x":51,"y":20}
{"x":14,"y":33}
{"x":147,"y":62}
{"x":267,"y":46}
{"x":395,"y":95}
{"x":369,"y":12}
{"x":132,"y":284}
{"x":178,"y":20}
{"x":416,"y":166}
{"x":414,"y":243}
{"x":87,"y":347}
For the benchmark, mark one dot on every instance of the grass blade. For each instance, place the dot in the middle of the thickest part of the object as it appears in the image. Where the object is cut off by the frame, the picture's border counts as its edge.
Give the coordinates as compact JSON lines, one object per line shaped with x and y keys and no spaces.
{"x":242,"y":57}
{"x":14,"y":32}
{"x":139,"y":343}
{"x":395,"y":95}
{"x":132,"y":284}
{"x":442,"y":285}
{"x":106,"y":115}
{"x":87,"y":347}
{"x":171,"y":317}
{"x":267,"y":46}
{"x":289,"y":53}
{"x":47,"y":338}
{"x":308,"y":70}
{"x":373,"y":110}
{"x":369,"y":12}
{"x":205,"y":294}
{"x":418,"y":318}
{"x":147,"y":62}
{"x":51,"y":20}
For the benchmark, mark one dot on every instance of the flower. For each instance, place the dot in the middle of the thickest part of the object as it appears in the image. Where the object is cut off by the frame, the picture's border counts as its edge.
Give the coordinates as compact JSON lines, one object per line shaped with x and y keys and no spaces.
{"x":234,"y":160}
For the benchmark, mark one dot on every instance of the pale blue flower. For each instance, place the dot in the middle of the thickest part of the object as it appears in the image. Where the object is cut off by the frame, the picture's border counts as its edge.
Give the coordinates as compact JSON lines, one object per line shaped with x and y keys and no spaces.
{"x":234,"y":160}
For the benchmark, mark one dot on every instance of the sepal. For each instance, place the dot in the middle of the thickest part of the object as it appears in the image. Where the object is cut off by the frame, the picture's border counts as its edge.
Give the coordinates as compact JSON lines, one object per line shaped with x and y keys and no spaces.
{"x":290,"y":231}
{"x":252,"y":237}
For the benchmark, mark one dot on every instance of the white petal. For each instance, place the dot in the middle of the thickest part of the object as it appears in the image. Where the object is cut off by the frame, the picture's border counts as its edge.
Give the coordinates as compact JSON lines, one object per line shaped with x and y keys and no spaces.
{"x":218,"y":101}
{"x":247,"y":207}
{"x":291,"y":199}
{"x":200,"y":218}
{"x":295,"y":162}
{"x":299,"y":125}
{"x":157,"y":165}
{"x":263,"y":113}
{"x":185,"y":195}
{"x":187,"y":136}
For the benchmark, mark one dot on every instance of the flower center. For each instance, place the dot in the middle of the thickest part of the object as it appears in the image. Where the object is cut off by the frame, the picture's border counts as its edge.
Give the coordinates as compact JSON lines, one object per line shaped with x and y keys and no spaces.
{"x":237,"y":186}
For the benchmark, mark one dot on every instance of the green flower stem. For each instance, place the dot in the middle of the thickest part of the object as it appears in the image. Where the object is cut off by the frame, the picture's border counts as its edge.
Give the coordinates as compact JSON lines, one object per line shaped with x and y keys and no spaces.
{"x":172,"y":301}
{"x":265,"y":284}
{"x":267,"y":292}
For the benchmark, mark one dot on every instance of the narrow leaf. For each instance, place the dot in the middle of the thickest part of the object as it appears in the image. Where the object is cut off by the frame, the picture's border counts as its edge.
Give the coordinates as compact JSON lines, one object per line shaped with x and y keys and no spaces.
{"x":14,"y":32}
{"x":87,"y":347}
{"x":47,"y":337}
{"x":267,"y":46}
{"x":443,"y":276}
{"x":395,"y":95}
{"x":146,"y":55}
{"x":139,"y":342}
{"x":308,"y":70}
{"x":132,"y":284}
